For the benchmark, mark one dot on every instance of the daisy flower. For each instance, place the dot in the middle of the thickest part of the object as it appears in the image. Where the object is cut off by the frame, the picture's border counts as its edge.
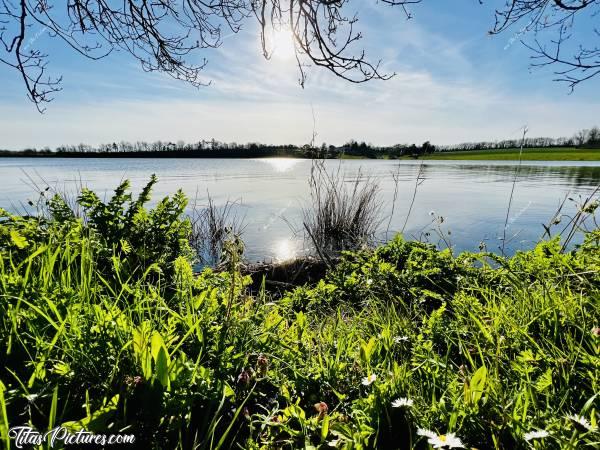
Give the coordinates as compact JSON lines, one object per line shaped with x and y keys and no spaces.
{"x":366,"y":381}
{"x":441,"y":440}
{"x":581,"y":422}
{"x":399,"y":339}
{"x":538,"y":434}
{"x":402,"y":402}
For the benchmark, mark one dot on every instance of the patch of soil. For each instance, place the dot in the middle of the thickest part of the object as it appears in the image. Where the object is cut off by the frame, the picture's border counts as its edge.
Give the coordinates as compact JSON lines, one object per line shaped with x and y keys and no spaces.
{"x":286,"y":275}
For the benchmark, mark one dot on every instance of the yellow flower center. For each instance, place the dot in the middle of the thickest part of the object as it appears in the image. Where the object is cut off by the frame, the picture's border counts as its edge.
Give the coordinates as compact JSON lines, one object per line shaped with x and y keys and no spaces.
{"x":443,"y":438}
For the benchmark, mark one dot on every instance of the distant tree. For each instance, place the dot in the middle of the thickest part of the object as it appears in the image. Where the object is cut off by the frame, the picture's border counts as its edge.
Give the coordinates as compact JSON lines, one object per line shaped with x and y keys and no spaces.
{"x":581,"y":137}
{"x":427,"y":148}
{"x":414,"y":151}
{"x":593,"y":137}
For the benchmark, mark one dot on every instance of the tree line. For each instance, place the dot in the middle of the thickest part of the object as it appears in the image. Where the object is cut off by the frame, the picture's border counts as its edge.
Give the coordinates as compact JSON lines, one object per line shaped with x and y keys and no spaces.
{"x":586,"y":138}
{"x":217,"y":149}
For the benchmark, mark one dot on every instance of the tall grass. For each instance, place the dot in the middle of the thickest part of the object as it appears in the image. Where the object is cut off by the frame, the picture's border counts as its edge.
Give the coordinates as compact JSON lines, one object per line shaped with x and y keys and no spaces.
{"x":212,"y":225}
{"x":342,"y":214}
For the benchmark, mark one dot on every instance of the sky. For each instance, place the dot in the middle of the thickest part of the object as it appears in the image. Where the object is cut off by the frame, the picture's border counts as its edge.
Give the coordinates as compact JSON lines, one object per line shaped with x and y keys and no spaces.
{"x":454,"y":83}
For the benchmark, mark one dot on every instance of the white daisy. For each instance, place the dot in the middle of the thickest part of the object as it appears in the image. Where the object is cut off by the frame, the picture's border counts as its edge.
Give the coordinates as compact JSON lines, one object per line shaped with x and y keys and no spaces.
{"x":581,"y":421}
{"x":538,"y":434}
{"x":399,"y":339}
{"x":366,"y":381}
{"x":427,"y":433}
{"x":369,"y":282}
{"x":402,"y":402}
{"x":441,"y":440}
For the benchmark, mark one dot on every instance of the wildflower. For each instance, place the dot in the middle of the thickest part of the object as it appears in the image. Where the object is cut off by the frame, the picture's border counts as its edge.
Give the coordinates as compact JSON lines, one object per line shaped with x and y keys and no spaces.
{"x":399,"y":339}
{"x":581,"y":422}
{"x":368,"y":380}
{"x":244,"y":378}
{"x":263,"y":364}
{"x":321,"y":408}
{"x":441,"y":440}
{"x":596,"y":331}
{"x":133,"y":382}
{"x":334,"y":443}
{"x":402,"y":402}
{"x":537,"y":434}
{"x":590,"y":207}
{"x":369,"y":282}
{"x":246,"y":412}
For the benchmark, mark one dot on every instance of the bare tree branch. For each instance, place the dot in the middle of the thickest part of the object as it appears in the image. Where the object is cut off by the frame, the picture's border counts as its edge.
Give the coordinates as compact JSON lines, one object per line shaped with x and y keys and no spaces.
{"x":162,"y":34}
{"x":552,"y":22}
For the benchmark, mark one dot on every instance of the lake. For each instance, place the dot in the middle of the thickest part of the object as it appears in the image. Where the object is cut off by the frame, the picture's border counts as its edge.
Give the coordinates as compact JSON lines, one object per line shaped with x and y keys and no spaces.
{"x":471,"y":196}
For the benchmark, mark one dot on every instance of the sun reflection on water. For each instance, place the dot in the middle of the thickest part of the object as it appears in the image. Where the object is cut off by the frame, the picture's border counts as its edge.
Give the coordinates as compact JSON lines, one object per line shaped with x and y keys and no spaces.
{"x":285,"y":250}
{"x":280,"y":165}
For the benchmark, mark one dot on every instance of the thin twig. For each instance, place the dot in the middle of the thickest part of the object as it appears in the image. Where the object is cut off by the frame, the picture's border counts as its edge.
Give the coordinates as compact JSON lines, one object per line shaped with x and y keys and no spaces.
{"x":512,"y":191}
{"x":418,"y":182}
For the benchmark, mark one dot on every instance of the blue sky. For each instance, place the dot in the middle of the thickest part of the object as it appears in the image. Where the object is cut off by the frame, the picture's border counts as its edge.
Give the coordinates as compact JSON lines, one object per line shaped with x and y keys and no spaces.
{"x":454,"y":83}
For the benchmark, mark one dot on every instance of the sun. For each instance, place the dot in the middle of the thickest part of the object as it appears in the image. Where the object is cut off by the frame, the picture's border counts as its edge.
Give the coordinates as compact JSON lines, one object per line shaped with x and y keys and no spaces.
{"x":280,"y":44}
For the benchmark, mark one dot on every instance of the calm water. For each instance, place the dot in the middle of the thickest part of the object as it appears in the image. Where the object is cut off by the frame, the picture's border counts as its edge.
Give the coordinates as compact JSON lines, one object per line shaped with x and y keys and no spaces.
{"x":472,"y":196}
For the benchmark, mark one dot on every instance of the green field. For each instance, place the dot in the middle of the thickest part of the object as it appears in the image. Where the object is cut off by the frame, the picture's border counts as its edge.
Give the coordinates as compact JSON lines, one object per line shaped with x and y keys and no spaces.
{"x":530,"y":154}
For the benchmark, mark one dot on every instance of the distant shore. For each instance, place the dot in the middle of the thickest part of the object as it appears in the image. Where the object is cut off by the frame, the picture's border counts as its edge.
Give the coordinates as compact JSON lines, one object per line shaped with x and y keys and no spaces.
{"x":529,"y":154}
{"x":512,"y":154}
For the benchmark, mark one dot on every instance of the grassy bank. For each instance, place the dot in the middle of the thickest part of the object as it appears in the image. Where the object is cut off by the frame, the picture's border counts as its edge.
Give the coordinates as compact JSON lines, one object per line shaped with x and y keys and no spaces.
{"x":529,"y":154}
{"x":103,"y":325}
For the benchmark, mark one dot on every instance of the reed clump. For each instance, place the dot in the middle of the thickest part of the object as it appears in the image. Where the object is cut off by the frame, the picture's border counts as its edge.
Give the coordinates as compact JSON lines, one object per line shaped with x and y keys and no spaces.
{"x":212,"y":225}
{"x":342,"y":214}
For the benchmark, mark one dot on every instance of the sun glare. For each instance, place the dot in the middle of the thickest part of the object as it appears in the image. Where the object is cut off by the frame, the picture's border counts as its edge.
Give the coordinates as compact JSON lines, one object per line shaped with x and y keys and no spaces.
{"x":280,"y":45}
{"x":280,"y":165}
{"x":285,"y":250}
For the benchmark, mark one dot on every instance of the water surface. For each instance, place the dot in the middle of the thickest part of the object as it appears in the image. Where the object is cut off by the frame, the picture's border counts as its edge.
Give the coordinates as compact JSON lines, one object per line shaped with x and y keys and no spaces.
{"x":471,"y":196}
